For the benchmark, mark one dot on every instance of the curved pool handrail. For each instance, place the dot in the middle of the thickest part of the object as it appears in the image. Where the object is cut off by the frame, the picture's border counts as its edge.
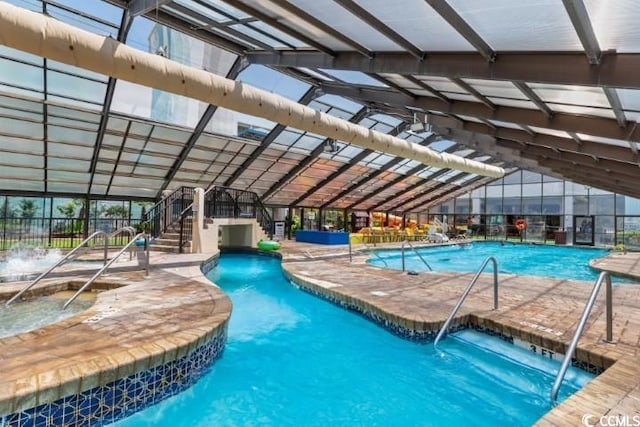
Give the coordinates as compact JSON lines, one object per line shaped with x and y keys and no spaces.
{"x":130,"y":230}
{"x":60,"y":262}
{"x":606,"y":277}
{"x":406,"y":242}
{"x":473,"y":281}
{"x":111,"y":261}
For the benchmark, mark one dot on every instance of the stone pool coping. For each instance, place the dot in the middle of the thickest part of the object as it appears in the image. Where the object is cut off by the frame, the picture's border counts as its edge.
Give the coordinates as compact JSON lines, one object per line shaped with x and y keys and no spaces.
{"x":129,"y":329}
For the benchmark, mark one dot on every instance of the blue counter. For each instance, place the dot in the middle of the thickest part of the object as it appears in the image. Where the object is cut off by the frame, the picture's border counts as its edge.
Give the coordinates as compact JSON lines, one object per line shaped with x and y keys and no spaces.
{"x":323,"y":237}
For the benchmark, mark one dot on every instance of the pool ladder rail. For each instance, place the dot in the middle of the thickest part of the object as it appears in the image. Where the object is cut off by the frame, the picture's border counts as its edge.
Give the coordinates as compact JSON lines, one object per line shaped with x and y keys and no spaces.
{"x":603,"y":277}
{"x":104,"y":267}
{"x":406,"y":242}
{"x":464,"y":295}
{"x":68,"y":255}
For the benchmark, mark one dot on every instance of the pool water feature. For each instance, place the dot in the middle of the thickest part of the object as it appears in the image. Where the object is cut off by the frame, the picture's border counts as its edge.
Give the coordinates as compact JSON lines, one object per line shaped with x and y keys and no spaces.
{"x":294,"y":359}
{"x":22,"y":263}
{"x":562,"y":262}
{"x":25,"y":316}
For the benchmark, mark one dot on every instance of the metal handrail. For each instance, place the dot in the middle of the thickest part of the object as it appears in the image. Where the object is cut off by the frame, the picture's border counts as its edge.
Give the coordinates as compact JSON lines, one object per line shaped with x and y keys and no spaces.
{"x":370,"y":250}
{"x":473,"y":281}
{"x":95,"y":276}
{"x":581,"y":324}
{"x":60,"y":262}
{"x":130,"y":230}
{"x":406,"y":242}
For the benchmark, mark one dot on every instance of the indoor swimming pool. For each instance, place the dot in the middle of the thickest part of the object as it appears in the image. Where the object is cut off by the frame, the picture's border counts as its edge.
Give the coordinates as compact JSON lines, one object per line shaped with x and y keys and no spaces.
{"x":24,"y":316}
{"x":563,"y":262}
{"x":294,"y":359}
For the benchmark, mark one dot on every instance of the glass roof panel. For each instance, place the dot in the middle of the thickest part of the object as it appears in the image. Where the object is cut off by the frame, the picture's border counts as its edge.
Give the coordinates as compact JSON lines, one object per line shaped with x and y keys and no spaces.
{"x":77,"y":88}
{"x":441,"y":145}
{"x":202,"y":9}
{"x":552,"y":132}
{"x":460,"y":96}
{"x":226,"y":9}
{"x":585,"y":111}
{"x":19,"y":55}
{"x":608,"y":141}
{"x":87,"y":23}
{"x":577,"y":95}
{"x":25,"y":76}
{"x":515,"y":25}
{"x":340,"y":102}
{"x":518,"y":103}
{"x":499,"y":88}
{"x":418,"y":23}
{"x":272,"y":81}
{"x":354,"y":77}
{"x":630,"y":98}
{"x":23,"y":184}
{"x":348,"y":24}
{"x":259,"y":36}
{"x":21,"y":128}
{"x":281,"y":35}
{"x":506,"y":124}
{"x":315,"y":74}
{"x":615,"y":24}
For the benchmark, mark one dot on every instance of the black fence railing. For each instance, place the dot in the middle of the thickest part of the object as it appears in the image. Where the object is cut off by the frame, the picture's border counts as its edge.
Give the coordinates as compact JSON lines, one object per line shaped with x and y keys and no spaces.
{"x":168,"y":211}
{"x":56,"y":232}
{"x":224,"y":202}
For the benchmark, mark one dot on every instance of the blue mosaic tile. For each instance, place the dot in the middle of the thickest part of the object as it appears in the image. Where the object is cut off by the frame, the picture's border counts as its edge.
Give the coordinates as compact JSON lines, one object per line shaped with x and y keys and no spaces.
{"x":106,"y":404}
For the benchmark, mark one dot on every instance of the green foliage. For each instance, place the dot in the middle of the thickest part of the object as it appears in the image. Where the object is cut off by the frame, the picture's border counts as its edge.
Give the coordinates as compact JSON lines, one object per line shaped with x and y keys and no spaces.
{"x":68,"y":210}
{"x":115,"y":211}
{"x":28,"y":208}
{"x":295,"y":223}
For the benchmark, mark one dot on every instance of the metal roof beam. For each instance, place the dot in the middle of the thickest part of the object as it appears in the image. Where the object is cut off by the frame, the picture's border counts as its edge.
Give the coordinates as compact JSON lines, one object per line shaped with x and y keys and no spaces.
{"x":412,"y":187}
{"x":123,"y":32}
{"x":364,"y":15}
{"x":289,"y":7}
{"x":582,"y":24}
{"x":441,"y":198}
{"x":570,"y":68}
{"x":428,"y":87}
{"x":613,"y":152}
{"x":279,"y":26}
{"x":140,"y":7}
{"x":429,"y":190}
{"x":361,"y":114}
{"x":460,"y":25}
{"x":596,"y":126}
{"x":266,"y":142}
{"x":473,"y":91}
{"x":342,"y":169}
{"x":616,"y":105}
{"x":533,"y":97}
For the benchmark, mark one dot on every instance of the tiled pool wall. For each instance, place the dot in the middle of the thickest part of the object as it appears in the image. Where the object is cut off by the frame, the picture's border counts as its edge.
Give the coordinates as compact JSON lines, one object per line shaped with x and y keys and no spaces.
{"x":105,"y":404}
{"x":535,"y":343}
{"x":118,"y":399}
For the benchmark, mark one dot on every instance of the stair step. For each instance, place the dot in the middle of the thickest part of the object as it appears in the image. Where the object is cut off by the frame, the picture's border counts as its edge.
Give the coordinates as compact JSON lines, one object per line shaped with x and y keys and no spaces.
{"x":173,"y":236}
{"x":165,"y":248}
{"x":167,"y":242}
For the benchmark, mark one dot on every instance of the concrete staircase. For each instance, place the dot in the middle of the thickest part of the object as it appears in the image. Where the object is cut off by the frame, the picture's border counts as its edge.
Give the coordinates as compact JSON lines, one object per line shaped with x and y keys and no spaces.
{"x":169,"y":241}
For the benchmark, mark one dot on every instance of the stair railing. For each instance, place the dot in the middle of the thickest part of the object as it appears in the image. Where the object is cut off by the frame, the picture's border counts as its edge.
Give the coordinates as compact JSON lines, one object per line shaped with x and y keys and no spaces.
{"x":167,"y":211}
{"x":406,"y":242}
{"x":104,"y":268}
{"x":473,"y":281}
{"x":603,"y":277}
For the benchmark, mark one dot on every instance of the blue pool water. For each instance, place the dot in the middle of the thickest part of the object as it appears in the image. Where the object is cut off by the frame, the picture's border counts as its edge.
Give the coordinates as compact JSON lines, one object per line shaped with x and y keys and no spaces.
{"x":293,"y":359}
{"x":563,"y":262}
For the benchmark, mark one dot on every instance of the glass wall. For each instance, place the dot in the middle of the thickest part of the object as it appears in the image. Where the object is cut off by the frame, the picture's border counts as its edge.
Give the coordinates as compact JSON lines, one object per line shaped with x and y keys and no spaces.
{"x":547,"y":205}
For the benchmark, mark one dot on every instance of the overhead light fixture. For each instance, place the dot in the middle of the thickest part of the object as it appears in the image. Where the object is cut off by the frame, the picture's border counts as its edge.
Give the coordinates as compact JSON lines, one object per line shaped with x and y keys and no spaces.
{"x":419,"y":126}
{"x":331,"y":146}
